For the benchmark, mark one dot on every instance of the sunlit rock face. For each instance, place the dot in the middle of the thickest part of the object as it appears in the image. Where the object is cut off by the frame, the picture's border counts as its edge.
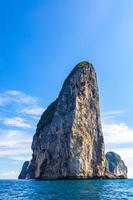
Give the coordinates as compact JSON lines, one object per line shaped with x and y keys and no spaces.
{"x":115,"y":165}
{"x":68,"y":142}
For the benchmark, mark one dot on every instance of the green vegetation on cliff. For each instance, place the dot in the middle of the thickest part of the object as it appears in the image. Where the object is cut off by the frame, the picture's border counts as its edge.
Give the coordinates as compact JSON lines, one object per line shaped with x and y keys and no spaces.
{"x":47,"y":116}
{"x":83,"y":63}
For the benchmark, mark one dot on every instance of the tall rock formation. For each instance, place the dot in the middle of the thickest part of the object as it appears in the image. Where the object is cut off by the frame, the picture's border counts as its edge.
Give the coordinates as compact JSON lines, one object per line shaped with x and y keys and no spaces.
{"x":68,"y":142}
{"x":115,"y":165}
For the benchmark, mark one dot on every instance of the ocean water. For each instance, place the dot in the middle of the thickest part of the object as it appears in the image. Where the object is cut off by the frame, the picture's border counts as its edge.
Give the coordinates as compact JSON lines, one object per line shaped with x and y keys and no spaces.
{"x":66,"y":190}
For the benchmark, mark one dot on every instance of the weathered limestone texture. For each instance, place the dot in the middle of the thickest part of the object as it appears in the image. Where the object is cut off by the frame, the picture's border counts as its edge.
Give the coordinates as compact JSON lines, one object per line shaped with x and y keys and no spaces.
{"x":69,"y":142}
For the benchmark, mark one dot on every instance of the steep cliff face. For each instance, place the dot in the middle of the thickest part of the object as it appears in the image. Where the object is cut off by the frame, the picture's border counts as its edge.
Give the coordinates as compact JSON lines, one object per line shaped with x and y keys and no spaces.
{"x":28,"y":171}
{"x":68,"y":142}
{"x":115,"y":165}
{"x":23,"y":172}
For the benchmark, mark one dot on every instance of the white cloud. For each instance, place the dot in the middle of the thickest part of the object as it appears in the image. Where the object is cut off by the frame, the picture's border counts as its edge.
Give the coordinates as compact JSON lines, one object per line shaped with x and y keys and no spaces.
{"x":19,"y":97}
{"x":8,"y":175}
{"x":25,"y":104}
{"x":19,"y":109}
{"x":17,"y":122}
{"x":3,"y":101}
{"x":15,"y":144}
{"x":22,"y":111}
{"x":117,"y":133}
{"x":110,"y":115}
{"x":22,"y":158}
{"x":114,"y":112}
{"x":33,"y":111}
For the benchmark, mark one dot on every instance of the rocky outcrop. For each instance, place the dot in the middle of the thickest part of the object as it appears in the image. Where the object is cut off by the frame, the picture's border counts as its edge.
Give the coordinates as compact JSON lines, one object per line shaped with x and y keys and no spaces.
{"x":24,"y":170}
{"x":115,"y":165}
{"x":28,"y":170}
{"x":69,"y":141}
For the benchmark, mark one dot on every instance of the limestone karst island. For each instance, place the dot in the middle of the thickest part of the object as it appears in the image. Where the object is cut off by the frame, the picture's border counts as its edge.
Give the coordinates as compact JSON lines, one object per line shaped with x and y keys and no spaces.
{"x":69,"y":142}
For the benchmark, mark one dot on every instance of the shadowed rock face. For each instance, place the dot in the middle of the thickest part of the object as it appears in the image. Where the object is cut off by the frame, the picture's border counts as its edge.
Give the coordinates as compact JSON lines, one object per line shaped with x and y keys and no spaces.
{"x":24,"y":170}
{"x":69,"y":142}
{"x":28,"y":171}
{"x":115,"y":165}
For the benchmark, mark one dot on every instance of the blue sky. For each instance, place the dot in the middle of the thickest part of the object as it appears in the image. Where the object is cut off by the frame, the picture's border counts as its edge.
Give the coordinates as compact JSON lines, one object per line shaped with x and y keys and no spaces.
{"x":41,"y":41}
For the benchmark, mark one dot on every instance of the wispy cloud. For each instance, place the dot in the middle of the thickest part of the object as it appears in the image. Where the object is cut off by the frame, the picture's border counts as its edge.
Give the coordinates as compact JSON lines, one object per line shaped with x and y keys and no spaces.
{"x":9,"y":174}
{"x":19,"y":109}
{"x":19,"y":114}
{"x":25,"y":104}
{"x":33,"y":111}
{"x":111,"y":115}
{"x":15,"y":144}
{"x":14,"y":96}
{"x":16,"y":122}
{"x":117,"y":133}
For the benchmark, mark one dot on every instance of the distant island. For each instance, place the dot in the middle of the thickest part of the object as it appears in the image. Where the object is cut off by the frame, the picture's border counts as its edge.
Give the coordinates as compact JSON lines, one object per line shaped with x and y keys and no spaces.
{"x":69,"y":143}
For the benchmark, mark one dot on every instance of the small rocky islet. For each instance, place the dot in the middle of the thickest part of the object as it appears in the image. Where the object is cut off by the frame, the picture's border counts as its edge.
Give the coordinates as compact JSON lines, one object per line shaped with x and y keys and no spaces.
{"x":69,"y":142}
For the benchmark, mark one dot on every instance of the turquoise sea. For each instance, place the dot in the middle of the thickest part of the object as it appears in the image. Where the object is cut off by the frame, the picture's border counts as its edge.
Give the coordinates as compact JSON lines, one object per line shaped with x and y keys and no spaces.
{"x":66,"y":190}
